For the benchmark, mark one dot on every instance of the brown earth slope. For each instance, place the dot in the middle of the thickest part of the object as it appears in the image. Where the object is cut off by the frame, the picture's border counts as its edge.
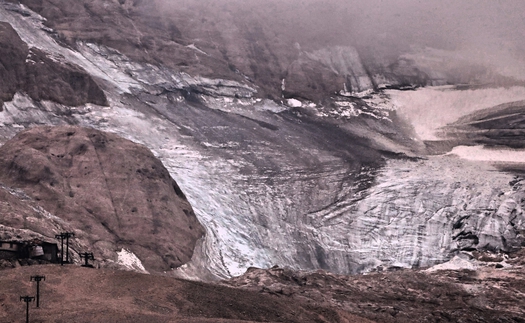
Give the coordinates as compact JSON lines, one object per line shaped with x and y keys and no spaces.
{"x":75,"y":294}
{"x":111,"y":192}
{"x":492,"y":293}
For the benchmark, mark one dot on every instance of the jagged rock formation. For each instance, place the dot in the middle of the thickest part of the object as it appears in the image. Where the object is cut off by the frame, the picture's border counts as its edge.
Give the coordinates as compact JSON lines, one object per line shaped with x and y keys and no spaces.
{"x":112,"y":193}
{"x":457,"y":295}
{"x":226,"y":41}
{"x":40,"y":76}
{"x":502,"y":125}
{"x":290,"y":154}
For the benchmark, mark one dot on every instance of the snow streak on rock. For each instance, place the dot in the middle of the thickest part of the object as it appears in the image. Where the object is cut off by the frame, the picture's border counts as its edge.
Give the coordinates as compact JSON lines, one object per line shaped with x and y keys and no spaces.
{"x":130,"y":261}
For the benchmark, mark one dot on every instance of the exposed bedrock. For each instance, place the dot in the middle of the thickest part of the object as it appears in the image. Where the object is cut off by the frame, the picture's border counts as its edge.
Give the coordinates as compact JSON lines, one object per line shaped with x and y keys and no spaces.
{"x":228,"y":42}
{"x":502,"y":125}
{"x":111,"y":192}
{"x":34,"y":72}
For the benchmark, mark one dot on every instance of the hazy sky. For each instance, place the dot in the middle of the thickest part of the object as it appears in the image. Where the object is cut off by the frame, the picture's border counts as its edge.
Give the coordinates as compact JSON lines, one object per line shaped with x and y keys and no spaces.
{"x":444,"y":23}
{"x":441,"y":21}
{"x":488,"y":32}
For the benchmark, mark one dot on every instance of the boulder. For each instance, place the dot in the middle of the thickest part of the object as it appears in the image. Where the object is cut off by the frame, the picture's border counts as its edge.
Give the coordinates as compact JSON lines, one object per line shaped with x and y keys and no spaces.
{"x":111,"y":192}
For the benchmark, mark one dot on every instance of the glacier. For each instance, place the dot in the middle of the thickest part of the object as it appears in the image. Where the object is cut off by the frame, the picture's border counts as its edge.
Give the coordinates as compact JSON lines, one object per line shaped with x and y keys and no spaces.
{"x":342,"y":185}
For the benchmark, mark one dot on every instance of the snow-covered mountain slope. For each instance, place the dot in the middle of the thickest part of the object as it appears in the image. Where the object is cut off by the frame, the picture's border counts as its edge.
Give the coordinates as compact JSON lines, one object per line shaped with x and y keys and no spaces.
{"x":323,"y":177}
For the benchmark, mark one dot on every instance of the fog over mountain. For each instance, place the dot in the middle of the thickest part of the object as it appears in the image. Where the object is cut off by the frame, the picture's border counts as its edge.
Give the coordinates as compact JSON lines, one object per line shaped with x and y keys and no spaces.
{"x":343,"y":136}
{"x":463,"y":34}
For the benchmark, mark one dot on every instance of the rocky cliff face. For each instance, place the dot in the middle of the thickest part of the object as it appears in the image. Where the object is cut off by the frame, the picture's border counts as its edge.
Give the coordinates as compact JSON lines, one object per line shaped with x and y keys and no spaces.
{"x":283,"y":157}
{"x":40,"y":76}
{"x":113,"y":194}
{"x":227,"y":41}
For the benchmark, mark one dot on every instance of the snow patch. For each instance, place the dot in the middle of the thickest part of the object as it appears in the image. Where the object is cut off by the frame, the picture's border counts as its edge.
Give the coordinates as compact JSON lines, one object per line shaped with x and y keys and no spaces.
{"x":455,"y":263}
{"x":429,"y":109}
{"x":269,"y":105}
{"x":294,"y":103}
{"x":192,"y":46}
{"x":480,"y":153}
{"x":130,"y":261}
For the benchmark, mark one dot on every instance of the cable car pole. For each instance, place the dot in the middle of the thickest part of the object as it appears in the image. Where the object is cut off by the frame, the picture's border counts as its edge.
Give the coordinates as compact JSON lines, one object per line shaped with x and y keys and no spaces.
{"x":27,"y":299}
{"x":68,"y":235}
{"x":62,"y":236}
{"x":87,"y":256}
{"x":38,"y":279}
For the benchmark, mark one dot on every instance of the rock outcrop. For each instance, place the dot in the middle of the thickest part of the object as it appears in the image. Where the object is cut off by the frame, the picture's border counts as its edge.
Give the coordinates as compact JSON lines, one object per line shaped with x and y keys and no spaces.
{"x":42,"y":77}
{"x":112,"y":193}
{"x":228,"y":42}
{"x":452,"y":294}
{"x":502,"y":125}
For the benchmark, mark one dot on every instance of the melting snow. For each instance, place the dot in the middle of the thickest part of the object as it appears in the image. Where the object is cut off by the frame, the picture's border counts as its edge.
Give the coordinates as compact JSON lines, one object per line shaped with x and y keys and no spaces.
{"x":294,"y":103}
{"x":480,"y":153}
{"x":129,"y":260}
{"x":429,"y":109}
{"x":455,"y":263}
{"x":192,"y":46}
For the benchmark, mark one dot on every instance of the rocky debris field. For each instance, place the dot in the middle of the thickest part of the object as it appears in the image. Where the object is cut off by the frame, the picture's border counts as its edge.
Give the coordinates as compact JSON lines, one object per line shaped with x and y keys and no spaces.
{"x":490,"y":290}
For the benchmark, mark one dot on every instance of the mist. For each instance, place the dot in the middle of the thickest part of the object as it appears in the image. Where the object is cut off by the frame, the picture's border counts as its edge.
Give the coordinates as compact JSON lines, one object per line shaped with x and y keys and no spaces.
{"x":442,"y":24}
{"x":477,"y":33}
